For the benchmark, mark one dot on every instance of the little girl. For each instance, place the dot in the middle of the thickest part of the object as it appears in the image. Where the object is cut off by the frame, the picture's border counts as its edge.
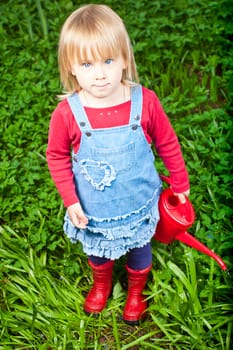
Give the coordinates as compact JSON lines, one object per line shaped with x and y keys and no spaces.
{"x":111,"y":188}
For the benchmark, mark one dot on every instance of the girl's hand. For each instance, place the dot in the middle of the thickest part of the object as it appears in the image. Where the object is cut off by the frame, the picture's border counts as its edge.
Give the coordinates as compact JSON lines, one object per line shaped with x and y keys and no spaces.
{"x":77,"y":215}
{"x":182,"y":196}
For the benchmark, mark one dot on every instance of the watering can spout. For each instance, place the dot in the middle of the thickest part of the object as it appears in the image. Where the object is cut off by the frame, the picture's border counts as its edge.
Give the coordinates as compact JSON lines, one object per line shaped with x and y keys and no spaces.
{"x":175,"y":219}
{"x":191,"y":241}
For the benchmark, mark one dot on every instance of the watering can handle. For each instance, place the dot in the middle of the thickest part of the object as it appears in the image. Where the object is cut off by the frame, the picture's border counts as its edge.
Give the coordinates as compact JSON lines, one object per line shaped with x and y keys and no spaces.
{"x":182,"y":205}
{"x":165,"y":179}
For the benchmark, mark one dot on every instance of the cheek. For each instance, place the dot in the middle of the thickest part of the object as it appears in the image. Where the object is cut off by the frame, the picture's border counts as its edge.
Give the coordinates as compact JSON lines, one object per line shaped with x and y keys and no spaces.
{"x":78,"y":70}
{"x":82,"y":76}
{"x":83,"y":80}
{"x":78,"y":74}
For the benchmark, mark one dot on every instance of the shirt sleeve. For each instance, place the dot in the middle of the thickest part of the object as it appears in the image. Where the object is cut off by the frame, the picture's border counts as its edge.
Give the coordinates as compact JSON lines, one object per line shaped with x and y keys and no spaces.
{"x":58,"y":155}
{"x":167,"y":145}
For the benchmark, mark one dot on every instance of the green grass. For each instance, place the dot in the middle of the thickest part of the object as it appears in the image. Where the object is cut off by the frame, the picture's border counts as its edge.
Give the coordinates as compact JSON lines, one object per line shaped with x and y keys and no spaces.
{"x":184,"y":52}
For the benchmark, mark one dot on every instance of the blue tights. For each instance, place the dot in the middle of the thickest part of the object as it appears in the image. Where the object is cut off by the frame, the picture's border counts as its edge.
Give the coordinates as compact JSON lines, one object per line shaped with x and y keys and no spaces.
{"x":137,"y":258}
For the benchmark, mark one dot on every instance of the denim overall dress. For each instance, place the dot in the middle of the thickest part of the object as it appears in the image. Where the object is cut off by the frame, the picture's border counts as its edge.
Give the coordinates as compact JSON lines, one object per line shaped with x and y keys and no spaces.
{"x":116,"y":182}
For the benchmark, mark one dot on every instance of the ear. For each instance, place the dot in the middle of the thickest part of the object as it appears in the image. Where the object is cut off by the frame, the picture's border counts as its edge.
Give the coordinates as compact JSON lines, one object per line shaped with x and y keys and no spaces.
{"x":73,"y":69}
{"x":125,"y":64}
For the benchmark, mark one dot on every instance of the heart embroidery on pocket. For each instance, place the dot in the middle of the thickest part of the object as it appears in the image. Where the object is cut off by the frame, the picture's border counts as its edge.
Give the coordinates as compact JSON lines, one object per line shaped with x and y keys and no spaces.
{"x":100,"y":174}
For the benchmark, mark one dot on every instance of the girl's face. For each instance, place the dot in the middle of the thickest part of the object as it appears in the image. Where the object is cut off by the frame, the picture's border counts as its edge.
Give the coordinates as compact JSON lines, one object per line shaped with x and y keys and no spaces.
{"x":100,"y":80}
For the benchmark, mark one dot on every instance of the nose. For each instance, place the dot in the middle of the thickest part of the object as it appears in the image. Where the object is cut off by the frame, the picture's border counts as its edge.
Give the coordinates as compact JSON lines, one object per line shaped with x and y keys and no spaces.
{"x":99,"y":71}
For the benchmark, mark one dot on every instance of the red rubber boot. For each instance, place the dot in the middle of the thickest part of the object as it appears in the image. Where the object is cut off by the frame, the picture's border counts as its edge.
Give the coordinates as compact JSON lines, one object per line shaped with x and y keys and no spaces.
{"x":135,"y":304}
{"x":97,"y":297}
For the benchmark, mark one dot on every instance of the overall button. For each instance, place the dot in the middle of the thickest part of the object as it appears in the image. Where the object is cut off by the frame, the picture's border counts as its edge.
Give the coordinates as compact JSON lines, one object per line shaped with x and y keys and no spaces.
{"x":82,"y":123}
{"x":134,"y":127}
{"x":88,"y":133}
{"x":137,"y":117}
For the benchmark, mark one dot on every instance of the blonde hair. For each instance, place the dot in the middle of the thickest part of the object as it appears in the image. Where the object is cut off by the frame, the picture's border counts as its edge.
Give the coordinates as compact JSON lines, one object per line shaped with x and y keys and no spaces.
{"x":98,"y":30}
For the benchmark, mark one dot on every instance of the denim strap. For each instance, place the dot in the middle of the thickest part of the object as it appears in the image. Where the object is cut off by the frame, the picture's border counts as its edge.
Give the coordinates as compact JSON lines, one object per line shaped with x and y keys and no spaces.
{"x":81,"y":117}
{"x":79,"y":112}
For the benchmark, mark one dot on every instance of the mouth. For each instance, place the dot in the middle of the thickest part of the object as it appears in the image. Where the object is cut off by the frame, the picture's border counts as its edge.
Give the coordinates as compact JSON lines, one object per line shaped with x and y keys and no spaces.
{"x":101,"y":86}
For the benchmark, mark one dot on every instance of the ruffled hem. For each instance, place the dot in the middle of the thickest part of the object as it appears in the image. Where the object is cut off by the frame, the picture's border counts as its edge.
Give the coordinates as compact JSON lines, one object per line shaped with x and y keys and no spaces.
{"x":122,"y":239}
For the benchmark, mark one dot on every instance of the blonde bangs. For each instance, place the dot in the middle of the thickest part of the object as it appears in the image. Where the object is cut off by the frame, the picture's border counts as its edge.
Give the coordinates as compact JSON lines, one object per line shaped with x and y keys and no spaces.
{"x":98,"y":47}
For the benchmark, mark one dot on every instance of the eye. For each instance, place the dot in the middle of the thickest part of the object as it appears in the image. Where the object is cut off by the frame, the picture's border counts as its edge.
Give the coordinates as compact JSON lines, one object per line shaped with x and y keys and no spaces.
{"x":109,"y":61}
{"x":86,"y":65}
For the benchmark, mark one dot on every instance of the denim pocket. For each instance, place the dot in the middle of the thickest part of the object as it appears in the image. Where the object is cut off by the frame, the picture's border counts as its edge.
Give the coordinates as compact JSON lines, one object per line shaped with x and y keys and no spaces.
{"x":121,"y":158}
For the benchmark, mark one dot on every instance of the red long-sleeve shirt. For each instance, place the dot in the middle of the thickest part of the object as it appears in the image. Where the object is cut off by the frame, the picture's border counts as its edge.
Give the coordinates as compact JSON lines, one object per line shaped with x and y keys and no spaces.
{"x":64,"y":134}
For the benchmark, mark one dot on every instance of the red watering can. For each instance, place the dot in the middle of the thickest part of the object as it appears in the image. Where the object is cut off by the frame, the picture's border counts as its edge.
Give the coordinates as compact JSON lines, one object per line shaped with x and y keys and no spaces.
{"x":175,"y":219}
